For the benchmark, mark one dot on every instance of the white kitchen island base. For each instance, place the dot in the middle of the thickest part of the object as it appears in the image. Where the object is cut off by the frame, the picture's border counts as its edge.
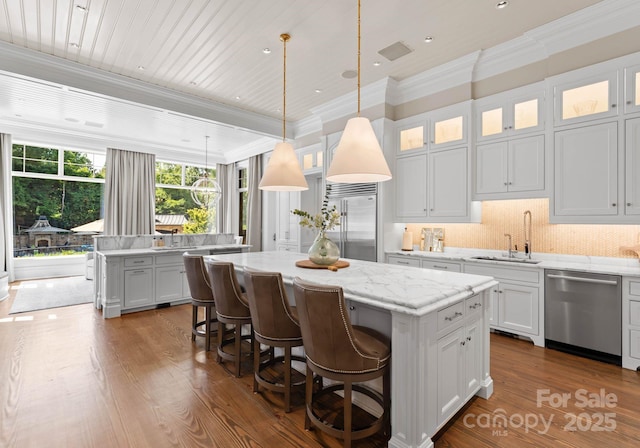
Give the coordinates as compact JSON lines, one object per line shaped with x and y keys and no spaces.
{"x":439,"y":327}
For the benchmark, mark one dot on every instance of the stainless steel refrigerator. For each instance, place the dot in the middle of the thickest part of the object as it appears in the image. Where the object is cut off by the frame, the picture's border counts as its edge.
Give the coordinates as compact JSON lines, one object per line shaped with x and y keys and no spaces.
{"x":356,"y":234}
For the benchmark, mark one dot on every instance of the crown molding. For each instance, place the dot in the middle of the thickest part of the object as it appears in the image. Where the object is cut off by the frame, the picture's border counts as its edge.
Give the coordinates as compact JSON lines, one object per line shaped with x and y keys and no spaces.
{"x":51,"y":69}
{"x":261,"y":146}
{"x":370,"y":96}
{"x":306,"y":126}
{"x":508,"y":56}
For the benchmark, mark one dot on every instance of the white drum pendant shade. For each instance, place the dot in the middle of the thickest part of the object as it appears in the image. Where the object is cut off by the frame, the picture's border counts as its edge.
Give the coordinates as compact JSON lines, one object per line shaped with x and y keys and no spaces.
{"x":358,"y":157}
{"x":283,"y":172}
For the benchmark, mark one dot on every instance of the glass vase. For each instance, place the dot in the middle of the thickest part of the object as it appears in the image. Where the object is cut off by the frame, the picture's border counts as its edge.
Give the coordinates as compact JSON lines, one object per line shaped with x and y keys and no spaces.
{"x":323,"y":251}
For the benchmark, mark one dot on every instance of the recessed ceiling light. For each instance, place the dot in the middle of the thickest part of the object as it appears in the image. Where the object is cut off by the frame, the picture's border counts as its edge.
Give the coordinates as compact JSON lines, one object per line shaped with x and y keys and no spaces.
{"x":74,"y":45}
{"x":237,"y":98}
{"x":318,"y":91}
{"x":266,"y":50}
{"x":377,"y":64}
{"x":349,"y":74}
{"x":81,"y":8}
{"x":428,"y":39}
{"x":141,"y":67}
{"x":502,"y":4}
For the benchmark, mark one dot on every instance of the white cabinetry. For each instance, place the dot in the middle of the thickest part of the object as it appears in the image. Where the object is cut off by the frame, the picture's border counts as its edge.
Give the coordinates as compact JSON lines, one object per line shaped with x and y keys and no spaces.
{"x":585,"y":97}
{"x":631,"y":323}
{"x":632,"y":89}
{"x":286,"y":222}
{"x":411,"y":187}
{"x":137,"y":281}
{"x":448,"y":184}
{"x":512,"y":166}
{"x":586,"y":173}
{"x":404,"y":261}
{"x":517,"y":300}
{"x":632,"y":167}
{"x":459,"y":347}
{"x":439,"y":265}
{"x":170,"y":279}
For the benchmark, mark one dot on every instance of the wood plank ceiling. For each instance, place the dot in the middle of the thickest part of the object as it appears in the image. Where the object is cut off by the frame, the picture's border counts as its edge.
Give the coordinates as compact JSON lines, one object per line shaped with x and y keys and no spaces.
{"x":213,"y":50}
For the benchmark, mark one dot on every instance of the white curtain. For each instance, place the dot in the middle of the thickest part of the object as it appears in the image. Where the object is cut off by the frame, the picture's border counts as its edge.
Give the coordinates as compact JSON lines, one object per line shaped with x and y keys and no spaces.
{"x":225,"y":175}
{"x":254,"y":205}
{"x":6,"y":239}
{"x":130,"y":192}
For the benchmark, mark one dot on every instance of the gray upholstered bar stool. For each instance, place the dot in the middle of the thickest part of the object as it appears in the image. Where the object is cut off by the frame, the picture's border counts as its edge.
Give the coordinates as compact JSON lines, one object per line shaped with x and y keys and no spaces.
{"x":344,"y":353}
{"x":232,"y":308}
{"x":201,"y":297}
{"x":274,"y":325}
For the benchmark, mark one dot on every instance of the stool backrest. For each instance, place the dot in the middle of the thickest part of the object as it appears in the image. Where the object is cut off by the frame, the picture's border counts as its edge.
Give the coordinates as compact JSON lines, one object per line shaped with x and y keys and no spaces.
{"x":271,"y":314}
{"x":230,"y":301}
{"x":327,"y":334}
{"x":197,"y":277}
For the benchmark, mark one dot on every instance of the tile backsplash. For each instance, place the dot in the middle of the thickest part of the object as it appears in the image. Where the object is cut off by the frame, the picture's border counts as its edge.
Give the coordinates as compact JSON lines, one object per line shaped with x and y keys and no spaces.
{"x":500,"y":217}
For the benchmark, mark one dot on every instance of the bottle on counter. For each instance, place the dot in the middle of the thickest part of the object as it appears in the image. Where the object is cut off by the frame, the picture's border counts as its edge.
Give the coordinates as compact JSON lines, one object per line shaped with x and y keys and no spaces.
{"x":407,"y":240}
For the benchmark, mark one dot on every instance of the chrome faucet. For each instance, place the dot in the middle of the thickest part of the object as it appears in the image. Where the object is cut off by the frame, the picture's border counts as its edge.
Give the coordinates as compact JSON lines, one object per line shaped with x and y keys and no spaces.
{"x":527,"y":234}
{"x":508,"y":235}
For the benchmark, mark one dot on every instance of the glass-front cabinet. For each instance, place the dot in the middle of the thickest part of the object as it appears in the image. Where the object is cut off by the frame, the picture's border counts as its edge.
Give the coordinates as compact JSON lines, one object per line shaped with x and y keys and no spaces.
{"x":411,"y":136}
{"x":311,"y":159}
{"x":589,"y":98}
{"x":632,"y":89}
{"x":510,"y":113}
{"x":449,"y":126}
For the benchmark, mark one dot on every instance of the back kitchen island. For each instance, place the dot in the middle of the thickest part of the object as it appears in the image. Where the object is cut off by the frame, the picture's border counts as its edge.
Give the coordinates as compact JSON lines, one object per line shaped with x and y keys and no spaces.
{"x":439,"y":328}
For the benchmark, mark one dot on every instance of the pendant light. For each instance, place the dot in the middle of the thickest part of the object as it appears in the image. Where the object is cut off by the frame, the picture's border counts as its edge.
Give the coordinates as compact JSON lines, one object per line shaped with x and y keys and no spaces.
{"x":358,"y":157}
{"x":205,"y":191}
{"x":283,"y":172}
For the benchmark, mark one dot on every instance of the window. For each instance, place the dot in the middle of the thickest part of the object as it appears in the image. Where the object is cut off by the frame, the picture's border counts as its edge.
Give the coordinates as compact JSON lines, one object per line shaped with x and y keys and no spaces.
{"x":243,"y":199}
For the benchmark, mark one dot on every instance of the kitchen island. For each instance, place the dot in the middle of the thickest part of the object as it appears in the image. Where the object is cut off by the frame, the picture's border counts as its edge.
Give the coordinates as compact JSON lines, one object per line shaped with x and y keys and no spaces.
{"x":439,"y":328}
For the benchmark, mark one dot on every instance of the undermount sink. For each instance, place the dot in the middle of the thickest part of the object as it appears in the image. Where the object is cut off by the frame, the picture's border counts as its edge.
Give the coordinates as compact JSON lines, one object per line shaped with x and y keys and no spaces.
{"x":507,"y":259}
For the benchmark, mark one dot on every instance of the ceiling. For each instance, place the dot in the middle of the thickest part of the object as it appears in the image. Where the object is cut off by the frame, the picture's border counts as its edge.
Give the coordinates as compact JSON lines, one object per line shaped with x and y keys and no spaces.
{"x":209,"y":54}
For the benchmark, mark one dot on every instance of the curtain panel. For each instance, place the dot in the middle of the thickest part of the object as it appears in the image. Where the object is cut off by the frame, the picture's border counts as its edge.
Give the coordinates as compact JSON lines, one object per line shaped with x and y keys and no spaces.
{"x":226,"y":175}
{"x":130,"y":192}
{"x":6,"y":239}
{"x":254,"y":204}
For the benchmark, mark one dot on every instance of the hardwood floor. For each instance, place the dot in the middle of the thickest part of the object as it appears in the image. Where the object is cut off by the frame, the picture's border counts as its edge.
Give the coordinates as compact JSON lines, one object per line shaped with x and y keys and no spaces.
{"x":70,"y":378}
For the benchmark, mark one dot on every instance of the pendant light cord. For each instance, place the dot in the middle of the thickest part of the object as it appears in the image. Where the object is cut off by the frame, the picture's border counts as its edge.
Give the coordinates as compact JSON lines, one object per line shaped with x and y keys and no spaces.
{"x":358,"y":58}
{"x":284,"y":38}
{"x":206,"y":156}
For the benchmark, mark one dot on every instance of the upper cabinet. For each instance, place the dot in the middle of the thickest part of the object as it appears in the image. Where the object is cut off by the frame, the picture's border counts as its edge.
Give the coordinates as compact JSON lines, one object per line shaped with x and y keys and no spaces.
{"x":589,"y":98}
{"x":311,"y":159}
{"x":448,"y":127}
{"x":411,"y":136}
{"x":510,"y":114}
{"x":632,"y":89}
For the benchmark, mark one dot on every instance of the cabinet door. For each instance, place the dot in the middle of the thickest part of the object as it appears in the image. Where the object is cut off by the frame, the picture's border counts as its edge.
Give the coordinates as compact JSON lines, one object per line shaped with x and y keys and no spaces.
{"x":588,"y":99}
{"x":473,"y":357}
{"x":491,"y":168}
{"x":411,"y":137}
{"x":632,"y":167}
{"x":526,"y":164}
{"x":451,"y":373}
{"x":138,"y":287}
{"x":518,"y":308}
{"x":411,"y":186}
{"x":448,"y":187}
{"x":586,"y":171}
{"x":632,"y":89}
{"x":169,"y":283}
{"x":287,"y":222}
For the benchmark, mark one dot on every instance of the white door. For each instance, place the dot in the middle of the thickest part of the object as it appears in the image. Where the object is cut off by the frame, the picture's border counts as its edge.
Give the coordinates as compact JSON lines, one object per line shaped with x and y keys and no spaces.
{"x":518,"y":308}
{"x":526,"y":164}
{"x":448,"y":187}
{"x":411,"y":186}
{"x":491,"y":168}
{"x":632,"y":167}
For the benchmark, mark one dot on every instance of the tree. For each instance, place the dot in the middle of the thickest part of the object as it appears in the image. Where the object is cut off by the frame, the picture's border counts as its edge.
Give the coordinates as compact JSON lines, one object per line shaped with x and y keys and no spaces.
{"x":200,"y":220}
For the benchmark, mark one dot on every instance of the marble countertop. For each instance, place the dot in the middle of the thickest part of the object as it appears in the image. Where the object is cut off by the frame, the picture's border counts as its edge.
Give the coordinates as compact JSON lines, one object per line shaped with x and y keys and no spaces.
{"x":583,"y":263}
{"x":170,"y":250}
{"x":404,"y":289}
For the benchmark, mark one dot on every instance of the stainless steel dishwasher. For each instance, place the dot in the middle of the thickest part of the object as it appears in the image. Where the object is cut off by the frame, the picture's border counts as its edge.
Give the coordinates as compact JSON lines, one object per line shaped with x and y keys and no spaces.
{"x":583,"y":314}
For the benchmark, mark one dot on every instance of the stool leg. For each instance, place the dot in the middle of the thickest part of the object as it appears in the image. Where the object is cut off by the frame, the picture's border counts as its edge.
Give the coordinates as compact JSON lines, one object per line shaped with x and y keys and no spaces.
{"x":347,"y":414}
{"x":287,"y":379}
{"x":207,"y":327}
{"x":221,"y":328}
{"x":308,"y":398}
{"x":256,"y":364}
{"x":238,"y":348}
{"x":386,"y":394}
{"x":194,"y":321}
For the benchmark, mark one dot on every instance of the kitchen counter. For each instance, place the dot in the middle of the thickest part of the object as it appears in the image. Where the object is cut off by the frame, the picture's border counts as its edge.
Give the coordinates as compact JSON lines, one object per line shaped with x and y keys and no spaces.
{"x":439,"y":328}
{"x":136,"y":279}
{"x":602,"y":265}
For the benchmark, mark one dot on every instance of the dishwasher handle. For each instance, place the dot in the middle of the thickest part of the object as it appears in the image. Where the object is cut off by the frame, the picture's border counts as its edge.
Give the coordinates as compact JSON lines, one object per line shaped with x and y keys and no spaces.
{"x":583,"y":279}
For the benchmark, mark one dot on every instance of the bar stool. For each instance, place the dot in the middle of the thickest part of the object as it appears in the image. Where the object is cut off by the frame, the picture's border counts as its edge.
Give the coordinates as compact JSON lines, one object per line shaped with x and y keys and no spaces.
{"x":275,"y":325}
{"x":344,"y":353}
{"x":201,"y":296}
{"x":232,"y":309}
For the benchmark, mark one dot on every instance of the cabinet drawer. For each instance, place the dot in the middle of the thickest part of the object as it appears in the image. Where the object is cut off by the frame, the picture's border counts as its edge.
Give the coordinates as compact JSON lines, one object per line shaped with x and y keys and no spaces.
{"x":634,"y":313}
{"x":169,"y":259}
{"x":519,"y":275}
{"x":138,"y":261}
{"x":450,"y":316}
{"x":442,"y":265}
{"x":634,"y":288}
{"x":405,"y":261}
{"x":473,"y":305}
{"x":634,"y":346}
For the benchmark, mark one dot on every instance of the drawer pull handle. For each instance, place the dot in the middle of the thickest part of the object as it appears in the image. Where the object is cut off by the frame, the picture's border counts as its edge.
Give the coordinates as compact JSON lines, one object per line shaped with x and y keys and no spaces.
{"x":456,"y":314}
{"x":352,"y":307}
{"x":138,"y":261}
{"x":403,"y":262}
{"x":440,"y":267}
{"x":475,"y":306}
{"x":462,"y":343}
{"x":468,"y":338}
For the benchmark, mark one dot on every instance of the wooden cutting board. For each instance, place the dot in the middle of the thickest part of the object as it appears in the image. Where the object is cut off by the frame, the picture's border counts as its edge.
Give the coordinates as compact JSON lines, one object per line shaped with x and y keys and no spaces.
{"x":308,"y":264}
